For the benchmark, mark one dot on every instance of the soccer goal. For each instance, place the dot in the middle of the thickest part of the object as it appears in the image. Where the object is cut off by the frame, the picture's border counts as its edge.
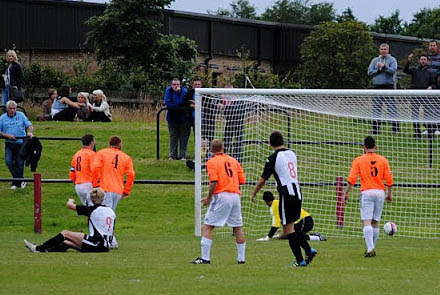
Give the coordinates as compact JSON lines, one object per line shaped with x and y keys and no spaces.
{"x":326,"y":129}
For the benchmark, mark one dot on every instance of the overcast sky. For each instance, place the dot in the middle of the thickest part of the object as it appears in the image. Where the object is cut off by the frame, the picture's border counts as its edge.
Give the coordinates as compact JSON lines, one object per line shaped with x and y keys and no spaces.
{"x":364,"y":10}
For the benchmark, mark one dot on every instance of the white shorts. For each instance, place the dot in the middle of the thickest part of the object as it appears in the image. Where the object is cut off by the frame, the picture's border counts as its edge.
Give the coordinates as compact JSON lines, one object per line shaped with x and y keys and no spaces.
{"x":111,"y":200}
{"x":224,"y":208}
{"x":83,"y":192}
{"x":372,"y":204}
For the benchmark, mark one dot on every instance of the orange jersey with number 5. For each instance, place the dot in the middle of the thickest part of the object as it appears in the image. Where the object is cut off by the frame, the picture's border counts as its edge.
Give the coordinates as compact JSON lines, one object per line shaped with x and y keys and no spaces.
{"x":80,"y":167}
{"x":227,"y":172}
{"x":110,"y":166}
{"x":373,"y":169}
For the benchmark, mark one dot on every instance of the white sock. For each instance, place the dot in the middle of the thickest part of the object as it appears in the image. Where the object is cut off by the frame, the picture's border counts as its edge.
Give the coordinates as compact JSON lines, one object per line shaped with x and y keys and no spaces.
{"x":241,"y":250}
{"x":314,"y":238}
{"x":375,"y":235}
{"x":368,"y":235}
{"x":205,"y":244}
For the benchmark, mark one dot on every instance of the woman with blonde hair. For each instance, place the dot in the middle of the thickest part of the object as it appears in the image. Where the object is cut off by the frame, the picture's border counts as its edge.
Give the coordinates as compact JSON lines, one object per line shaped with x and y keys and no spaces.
{"x":63,"y":109}
{"x":13,"y":76}
{"x":100,"y":109}
{"x":83,"y":113}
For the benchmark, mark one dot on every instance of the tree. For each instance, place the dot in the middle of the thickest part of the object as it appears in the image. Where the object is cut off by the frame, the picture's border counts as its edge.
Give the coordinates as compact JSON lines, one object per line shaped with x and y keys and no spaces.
{"x":299,"y":12}
{"x":425,"y":24}
{"x":127,"y":38}
{"x":388,"y":25}
{"x":239,"y":9}
{"x":336,"y":56}
{"x":346,"y":15}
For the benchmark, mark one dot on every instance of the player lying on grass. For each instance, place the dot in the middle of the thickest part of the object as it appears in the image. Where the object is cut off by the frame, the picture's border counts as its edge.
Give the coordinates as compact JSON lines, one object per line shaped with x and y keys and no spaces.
{"x":101,"y":224}
{"x":304,"y":223}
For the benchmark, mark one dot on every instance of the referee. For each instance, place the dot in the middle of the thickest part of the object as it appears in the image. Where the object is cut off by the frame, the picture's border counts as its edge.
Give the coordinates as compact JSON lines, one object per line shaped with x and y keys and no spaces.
{"x":283,"y":165}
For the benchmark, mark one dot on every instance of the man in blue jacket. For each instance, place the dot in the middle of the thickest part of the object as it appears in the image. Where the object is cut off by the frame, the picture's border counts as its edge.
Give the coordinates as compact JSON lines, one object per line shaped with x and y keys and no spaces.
{"x":13,"y":124}
{"x":383,"y":69}
{"x":178,"y":119}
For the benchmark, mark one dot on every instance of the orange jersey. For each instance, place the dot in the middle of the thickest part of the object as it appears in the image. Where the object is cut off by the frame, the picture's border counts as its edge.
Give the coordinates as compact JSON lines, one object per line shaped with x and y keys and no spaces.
{"x":80,"y":167}
{"x":373,"y":169}
{"x":109,"y":167}
{"x":227,"y":172}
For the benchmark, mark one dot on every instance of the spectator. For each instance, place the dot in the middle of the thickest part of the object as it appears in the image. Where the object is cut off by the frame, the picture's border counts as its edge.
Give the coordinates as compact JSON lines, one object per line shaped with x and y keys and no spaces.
{"x":178,"y":120}
{"x":13,"y":124}
{"x":383,"y":68}
{"x":63,"y":109}
{"x":190,"y":99}
{"x":100,"y":109}
{"x":422,"y":78}
{"x":47,"y":106}
{"x":83,"y":113}
{"x":13,"y":76}
{"x":433,"y":55}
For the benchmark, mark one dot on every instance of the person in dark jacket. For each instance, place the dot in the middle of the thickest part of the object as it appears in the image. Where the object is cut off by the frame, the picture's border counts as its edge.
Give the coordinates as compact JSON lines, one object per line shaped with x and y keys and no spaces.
{"x":13,"y":76}
{"x":178,"y":120}
{"x":422,"y":78}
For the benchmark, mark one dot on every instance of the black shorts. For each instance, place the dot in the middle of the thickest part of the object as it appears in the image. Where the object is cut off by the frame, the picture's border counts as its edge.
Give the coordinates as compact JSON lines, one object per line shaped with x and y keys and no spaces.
{"x":305,"y":225}
{"x":289,"y":208}
{"x":93,"y":244}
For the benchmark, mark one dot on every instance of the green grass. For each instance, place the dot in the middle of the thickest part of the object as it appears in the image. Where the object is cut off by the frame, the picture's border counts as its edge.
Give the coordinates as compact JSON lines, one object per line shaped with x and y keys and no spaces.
{"x":155,"y":227}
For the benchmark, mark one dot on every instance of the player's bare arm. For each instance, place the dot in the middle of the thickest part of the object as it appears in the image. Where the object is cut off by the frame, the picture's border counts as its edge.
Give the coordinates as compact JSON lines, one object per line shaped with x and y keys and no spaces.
{"x":207,"y":200}
{"x":258,"y":186}
{"x":71,"y":204}
{"x":389,"y":196}
{"x":347,"y":190}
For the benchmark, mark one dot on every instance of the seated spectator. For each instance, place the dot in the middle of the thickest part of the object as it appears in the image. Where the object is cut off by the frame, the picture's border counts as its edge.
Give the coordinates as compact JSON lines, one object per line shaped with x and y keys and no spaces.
{"x":63,"y":109}
{"x":83,"y":113}
{"x":100,"y":109}
{"x":47,"y":106}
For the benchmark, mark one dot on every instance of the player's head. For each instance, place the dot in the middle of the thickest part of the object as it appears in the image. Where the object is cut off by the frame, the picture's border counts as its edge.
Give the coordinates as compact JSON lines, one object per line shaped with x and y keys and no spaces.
{"x":276,"y":139}
{"x":268,"y":198}
{"x":217,"y":146}
{"x":97,"y":195}
{"x":115,"y":142}
{"x":87,"y":139}
{"x":369,"y":142}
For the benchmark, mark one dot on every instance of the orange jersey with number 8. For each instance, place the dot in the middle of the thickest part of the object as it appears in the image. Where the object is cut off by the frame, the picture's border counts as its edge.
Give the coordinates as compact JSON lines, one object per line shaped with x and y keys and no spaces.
{"x":109,"y":167}
{"x":227,"y":172}
{"x":373,"y":169}
{"x":80,"y":167}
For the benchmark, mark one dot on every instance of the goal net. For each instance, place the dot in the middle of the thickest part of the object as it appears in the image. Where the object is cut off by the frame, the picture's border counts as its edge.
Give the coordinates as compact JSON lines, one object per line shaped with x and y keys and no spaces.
{"x":326,"y":129}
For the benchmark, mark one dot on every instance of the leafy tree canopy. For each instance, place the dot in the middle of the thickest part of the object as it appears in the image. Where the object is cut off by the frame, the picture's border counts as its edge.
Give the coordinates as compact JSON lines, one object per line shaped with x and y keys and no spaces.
{"x":389,"y":25}
{"x":239,"y":9}
{"x":336,"y":56}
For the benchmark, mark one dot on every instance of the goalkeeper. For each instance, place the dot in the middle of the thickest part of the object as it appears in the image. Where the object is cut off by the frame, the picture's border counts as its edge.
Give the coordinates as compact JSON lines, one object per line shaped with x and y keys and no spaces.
{"x":304,"y":223}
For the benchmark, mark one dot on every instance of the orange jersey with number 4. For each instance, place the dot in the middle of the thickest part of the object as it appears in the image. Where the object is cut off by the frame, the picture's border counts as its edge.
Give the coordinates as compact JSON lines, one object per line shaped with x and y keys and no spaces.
{"x":373,"y":169}
{"x":227,"y":172}
{"x":80,"y":167}
{"x":109,"y":167}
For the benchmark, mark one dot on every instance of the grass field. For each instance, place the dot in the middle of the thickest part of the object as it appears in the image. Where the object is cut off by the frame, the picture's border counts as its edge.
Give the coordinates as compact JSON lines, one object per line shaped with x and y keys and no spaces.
{"x":155,"y":228}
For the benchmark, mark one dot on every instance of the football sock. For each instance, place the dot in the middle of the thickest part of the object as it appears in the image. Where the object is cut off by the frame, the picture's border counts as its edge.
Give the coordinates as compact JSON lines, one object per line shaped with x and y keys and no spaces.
{"x":375,"y":235}
{"x":53,"y":242}
{"x":206,"y":248}
{"x":241,"y":250}
{"x":63,"y":247}
{"x":294,"y":246}
{"x":272,"y":231}
{"x":313,"y":238}
{"x":368,"y":235}
{"x":303,"y":242}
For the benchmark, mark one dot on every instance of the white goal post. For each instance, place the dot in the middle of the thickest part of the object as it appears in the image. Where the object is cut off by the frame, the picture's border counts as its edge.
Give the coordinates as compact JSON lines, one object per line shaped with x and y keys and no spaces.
{"x":326,"y":129}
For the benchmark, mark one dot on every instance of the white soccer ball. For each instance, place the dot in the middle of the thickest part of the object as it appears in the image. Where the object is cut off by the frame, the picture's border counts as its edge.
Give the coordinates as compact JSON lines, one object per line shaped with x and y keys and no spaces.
{"x":390,"y":228}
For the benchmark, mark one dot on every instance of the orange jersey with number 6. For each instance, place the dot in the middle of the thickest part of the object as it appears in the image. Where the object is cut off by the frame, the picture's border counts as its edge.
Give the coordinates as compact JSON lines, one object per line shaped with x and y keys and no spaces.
{"x":227,"y":172}
{"x":80,"y":167}
{"x":110,"y":166}
{"x":373,"y":169}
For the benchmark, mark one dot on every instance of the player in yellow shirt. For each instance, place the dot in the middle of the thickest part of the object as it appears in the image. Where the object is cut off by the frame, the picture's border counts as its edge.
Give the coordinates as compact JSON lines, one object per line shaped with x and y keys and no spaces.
{"x":304,"y":223}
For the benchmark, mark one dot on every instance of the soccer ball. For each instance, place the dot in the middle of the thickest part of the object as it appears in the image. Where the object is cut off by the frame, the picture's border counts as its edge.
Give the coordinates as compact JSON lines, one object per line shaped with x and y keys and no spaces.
{"x":390,"y":228}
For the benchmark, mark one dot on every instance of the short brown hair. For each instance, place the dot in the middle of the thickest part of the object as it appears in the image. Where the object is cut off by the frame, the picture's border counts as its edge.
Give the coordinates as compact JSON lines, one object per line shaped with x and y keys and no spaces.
{"x":97,"y":195}
{"x":216,"y":145}
{"x":115,"y":141}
